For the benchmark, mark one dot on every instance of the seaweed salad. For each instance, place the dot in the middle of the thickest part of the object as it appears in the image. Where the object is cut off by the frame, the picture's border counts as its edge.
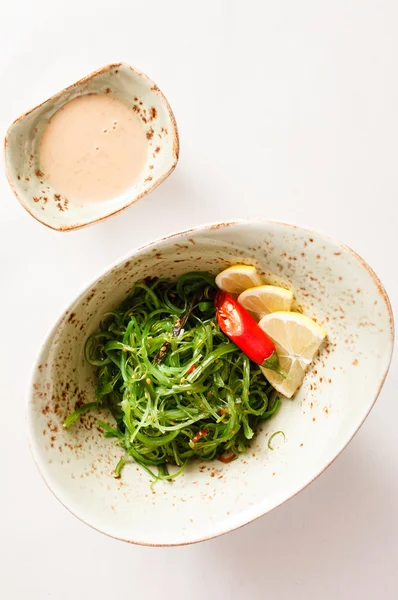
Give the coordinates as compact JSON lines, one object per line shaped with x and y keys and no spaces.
{"x":174,"y":384}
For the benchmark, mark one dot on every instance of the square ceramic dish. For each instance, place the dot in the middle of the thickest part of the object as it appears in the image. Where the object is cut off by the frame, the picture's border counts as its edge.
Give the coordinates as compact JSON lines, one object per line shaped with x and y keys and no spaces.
{"x":23,"y":138}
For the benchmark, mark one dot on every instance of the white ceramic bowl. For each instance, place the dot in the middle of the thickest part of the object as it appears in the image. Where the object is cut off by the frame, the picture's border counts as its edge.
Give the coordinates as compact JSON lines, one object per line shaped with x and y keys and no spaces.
{"x":331,"y":283}
{"x":23,"y":139}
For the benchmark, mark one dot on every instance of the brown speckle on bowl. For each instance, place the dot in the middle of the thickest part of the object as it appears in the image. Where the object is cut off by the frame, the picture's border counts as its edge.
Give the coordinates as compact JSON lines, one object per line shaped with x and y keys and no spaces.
{"x":61,"y":203}
{"x":42,"y":199}
{"x":216,"y":226}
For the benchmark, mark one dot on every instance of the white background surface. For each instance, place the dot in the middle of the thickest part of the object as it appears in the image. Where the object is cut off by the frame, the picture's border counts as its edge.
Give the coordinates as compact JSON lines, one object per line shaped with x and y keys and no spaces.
{"x":287,"y":110}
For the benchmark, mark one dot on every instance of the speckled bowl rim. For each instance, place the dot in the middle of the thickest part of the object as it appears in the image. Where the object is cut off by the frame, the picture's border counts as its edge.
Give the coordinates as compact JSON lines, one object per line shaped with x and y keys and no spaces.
{"x":150,"y":188}
{"x":218,"y":225}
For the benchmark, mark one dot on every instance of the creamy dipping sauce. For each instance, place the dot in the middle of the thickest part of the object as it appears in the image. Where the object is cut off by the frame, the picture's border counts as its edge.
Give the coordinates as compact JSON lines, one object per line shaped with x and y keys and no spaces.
{"x":93,"y":149}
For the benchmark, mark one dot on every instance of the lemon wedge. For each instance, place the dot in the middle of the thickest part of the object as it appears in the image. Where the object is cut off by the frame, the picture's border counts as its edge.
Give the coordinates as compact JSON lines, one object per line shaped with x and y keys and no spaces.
{"x":297,"y":339}
{"x":238,"y":278}
{"x":264,"y":299}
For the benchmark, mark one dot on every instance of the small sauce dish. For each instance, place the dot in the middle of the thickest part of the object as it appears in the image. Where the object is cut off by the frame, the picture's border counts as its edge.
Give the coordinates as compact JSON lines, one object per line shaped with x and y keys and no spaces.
{"x":22,"y":148}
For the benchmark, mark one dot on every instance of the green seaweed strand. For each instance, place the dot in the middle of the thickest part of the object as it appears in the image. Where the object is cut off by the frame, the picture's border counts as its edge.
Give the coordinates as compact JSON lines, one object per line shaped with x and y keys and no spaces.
{"x":202,"y":398}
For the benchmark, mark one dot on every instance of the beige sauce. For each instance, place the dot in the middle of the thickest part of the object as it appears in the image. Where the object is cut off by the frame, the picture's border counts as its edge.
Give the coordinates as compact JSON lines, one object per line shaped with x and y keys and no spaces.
{"x":93,"y":148}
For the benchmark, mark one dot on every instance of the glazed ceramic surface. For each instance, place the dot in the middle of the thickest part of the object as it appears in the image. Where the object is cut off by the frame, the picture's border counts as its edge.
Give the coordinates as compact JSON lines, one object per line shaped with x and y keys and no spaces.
{"x":331,"y":284}
{"x":22,"y":144}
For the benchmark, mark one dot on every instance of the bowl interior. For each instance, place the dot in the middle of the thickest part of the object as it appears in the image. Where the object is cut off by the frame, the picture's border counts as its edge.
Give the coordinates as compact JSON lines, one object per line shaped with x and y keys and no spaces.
{"x":330,"y":283}
{"x":23,"y":139}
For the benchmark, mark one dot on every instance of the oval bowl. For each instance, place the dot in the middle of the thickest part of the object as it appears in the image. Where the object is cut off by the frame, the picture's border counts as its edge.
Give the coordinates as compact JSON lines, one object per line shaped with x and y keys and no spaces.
{"x":331,"y":284}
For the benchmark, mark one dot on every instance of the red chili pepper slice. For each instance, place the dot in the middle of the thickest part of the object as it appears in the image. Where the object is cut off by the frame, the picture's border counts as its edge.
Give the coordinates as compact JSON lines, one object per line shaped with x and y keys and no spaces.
{"x":200,"y":434}
{"x":191,"y":369}
{"x":243,"y":330}
{"x":227,"y":459}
